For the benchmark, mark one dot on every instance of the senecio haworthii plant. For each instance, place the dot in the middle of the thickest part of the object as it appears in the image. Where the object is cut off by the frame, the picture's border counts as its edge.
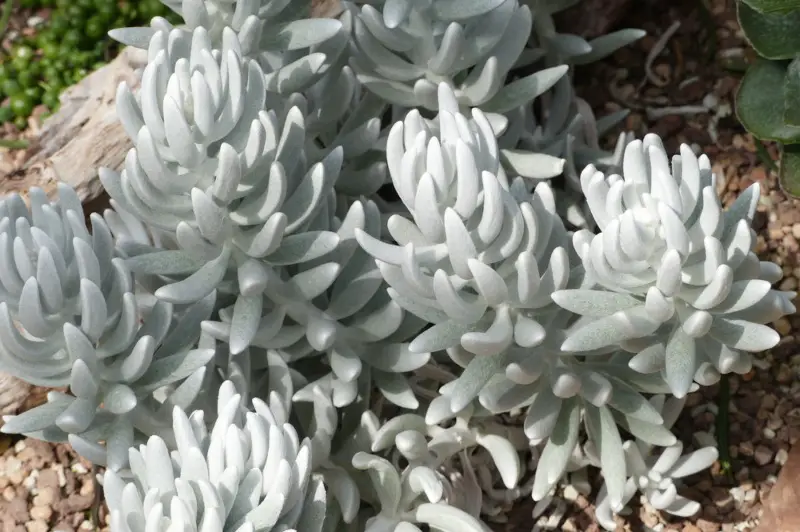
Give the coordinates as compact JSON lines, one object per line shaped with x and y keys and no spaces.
{"x":336,"y":289}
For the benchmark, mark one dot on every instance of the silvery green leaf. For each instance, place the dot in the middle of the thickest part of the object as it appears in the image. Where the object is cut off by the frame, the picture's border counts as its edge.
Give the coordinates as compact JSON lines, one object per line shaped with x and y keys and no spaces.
{"x":439,"y":337}
{"x":314,"y":507}
{"x":199,"y":284}
{"x":77,"y":417}
{"x":693,"y":462}
{"x":395,"y":12}
{"x":504,"y":456}
{"x":311,"y":283}
{"x":604,"y":434}
{"x":558,"y":450}
{"x":649,"y":360}
{"x":385,"y":480}
{"x":594,"y":303}
{"x":37,"y":418}
{"x":543,"y":413}
{"x":652,"y":433}
{"x":460,"y":10}
{"x":744,"y":335}
{"x":680,"y":360}
{"x":632,"y":404}
{"x":174,"y":368}
{"x":386,"y":62}
{"x":447,"y":518}
{"x":385,"y":436}
{"x":396,"y":389}
{"x":304,"y":247}
{"x":570,"y":45}
{"x":607,"y":44}
{"x":618,"y":327}
{"x":524,"y":90}
{"x":295,"y":76}
{"x":245,"y":322}
{"x":305,"y":33}
{"x":168,"y":262}
{"x":396,"y":358}
{"x":91,"y":451}
{"x":391,"y":91}
{"x":532,"y":165}
{"x":476,"y":375}
{"x":136,"y":37}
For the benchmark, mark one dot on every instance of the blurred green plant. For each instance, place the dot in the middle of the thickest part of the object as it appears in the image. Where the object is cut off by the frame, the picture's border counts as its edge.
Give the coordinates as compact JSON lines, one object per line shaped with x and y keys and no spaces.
{"x":768,"y":101}
{"x":69,"y":44}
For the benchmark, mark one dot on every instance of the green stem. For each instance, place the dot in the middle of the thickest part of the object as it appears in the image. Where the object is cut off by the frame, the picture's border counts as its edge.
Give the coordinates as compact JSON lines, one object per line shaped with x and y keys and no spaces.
{"x":722,"y":428}
{"x":763,"y":154}
{"x":14,"y":144}
{"x":5,"y":17}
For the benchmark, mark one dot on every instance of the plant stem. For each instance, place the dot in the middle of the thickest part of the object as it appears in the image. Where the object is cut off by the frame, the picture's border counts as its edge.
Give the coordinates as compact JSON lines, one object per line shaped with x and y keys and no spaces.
{"x":5,"y":17}
{"x":722,"y":428}
{"x":763,"y":154}
{"x":14,"y":144}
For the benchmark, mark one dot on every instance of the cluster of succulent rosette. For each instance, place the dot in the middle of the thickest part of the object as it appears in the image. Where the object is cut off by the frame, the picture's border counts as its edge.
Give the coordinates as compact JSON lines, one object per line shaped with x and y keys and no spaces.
{"x":352,"y":279}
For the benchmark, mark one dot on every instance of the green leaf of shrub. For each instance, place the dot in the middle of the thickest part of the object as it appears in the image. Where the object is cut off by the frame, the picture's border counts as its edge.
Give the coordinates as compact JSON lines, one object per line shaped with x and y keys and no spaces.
{"x":773,"y":35}
{"x":791,"y":94}
{"x":759,"y":103}
{"x":790,"y":170}
{"x":773,"y":6}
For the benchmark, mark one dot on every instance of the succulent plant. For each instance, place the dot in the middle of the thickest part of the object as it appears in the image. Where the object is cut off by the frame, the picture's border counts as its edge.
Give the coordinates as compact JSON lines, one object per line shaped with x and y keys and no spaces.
{"x":404,"y":52}
{"x":124,"y":383}
{"x":656,"y":475}
{"x":479,"y":256}
{"x":678,"y":284}
{"x":55,"y":273}
{"x":354,"y":226}
{"x":249,"y":473}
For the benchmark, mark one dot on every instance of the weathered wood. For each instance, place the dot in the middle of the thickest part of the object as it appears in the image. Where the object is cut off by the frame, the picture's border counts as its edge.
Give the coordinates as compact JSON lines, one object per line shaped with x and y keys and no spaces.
{"x":83,"y":135}
{"x":781,"y":512}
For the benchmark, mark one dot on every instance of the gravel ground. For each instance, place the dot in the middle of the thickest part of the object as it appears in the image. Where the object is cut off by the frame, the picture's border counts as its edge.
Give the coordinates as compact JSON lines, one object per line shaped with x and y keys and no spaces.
{"x":686,"y":97}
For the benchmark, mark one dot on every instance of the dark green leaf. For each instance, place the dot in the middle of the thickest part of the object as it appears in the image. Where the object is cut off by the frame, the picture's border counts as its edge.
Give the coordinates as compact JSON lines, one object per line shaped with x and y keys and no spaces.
{"x":773,"y":6}
{"x":773,"y":35}
{"x":791,"y":94}
{"x":790,"y":169}
{"x":759,"y":103}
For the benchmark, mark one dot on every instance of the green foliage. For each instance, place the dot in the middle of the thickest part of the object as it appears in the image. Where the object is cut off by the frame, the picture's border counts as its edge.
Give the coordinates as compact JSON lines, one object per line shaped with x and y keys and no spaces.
{"x":761,"y":103}
{"x":773,"y":6}
{"x":768,"y":102}
{"x":69,"y":44}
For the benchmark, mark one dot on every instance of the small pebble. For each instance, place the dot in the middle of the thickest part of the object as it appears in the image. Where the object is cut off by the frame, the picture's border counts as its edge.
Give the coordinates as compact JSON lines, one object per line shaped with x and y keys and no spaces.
{"x":783,"y":326}
{"x":763,"y":455}
{"x":45,"y":497}
{"x":37,"y":526}
{"x":570,"y":493}
{"x":781,"y":456}
{"x":41,"y":512}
